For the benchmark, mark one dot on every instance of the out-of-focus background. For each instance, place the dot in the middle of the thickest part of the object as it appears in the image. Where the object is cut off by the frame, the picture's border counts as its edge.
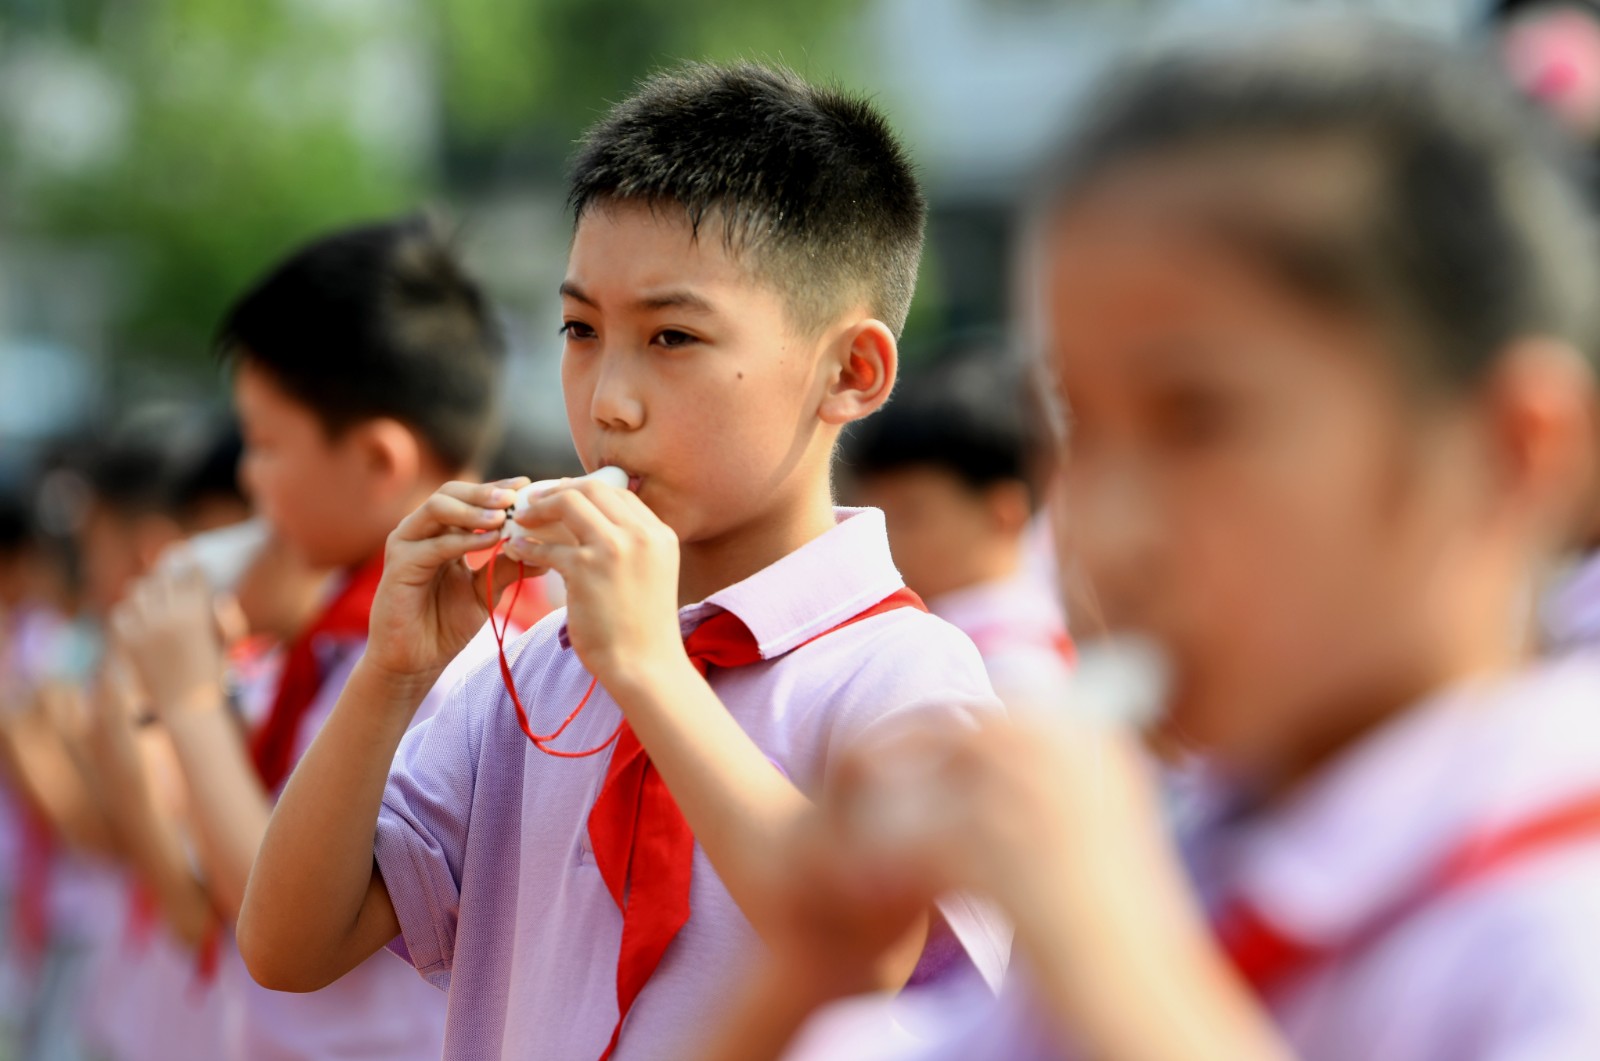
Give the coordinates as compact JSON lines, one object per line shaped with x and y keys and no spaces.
{"x":156,"y":155}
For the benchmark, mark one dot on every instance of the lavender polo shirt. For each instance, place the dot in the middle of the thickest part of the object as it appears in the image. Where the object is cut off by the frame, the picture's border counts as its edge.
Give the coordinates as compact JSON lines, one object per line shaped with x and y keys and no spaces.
{"x":483,"y":842}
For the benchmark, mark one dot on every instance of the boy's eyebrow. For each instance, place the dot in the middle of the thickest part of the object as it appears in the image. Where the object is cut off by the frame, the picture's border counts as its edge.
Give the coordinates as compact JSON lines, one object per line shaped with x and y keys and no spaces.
{"x":573,"y":291}
{"x":677,"y":299}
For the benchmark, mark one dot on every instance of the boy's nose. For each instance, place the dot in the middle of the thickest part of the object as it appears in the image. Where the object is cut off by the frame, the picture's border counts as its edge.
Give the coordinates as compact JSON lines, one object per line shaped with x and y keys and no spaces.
{"x":616,"y":404}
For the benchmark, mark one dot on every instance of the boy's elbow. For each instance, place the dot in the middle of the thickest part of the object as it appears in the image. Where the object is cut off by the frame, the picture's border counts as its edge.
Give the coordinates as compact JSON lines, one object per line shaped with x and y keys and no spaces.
{"x":276,"y":965}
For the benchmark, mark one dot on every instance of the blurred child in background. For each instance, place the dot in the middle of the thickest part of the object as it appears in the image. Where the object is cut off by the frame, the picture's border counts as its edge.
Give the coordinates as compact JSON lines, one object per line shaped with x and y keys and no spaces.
{"x":1551,"y":51}
{"x":954,"y":462}
{"x":72,"y":902}
{"x":365,"y":369}
{"x":1322,"y":309}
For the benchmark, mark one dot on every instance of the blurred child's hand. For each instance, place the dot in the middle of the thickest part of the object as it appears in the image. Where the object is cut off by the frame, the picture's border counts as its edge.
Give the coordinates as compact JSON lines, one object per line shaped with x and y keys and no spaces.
{"x":430,"y":604}
{"x":167,"y":629}
{"x":620,"y":566}
{"x":849,"y":930}
{"x":1016,"y":811}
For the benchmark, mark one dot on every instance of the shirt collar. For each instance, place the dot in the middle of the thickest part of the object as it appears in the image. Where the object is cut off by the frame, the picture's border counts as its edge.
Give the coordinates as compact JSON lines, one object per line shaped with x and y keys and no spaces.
{"x":834,"y":577}
{"x":1360,"y":836}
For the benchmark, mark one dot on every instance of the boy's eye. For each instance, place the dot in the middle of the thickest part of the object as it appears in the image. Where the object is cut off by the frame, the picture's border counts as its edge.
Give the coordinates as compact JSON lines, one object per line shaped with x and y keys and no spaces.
{"x":576,"y":330}
{"x":671,"y":337}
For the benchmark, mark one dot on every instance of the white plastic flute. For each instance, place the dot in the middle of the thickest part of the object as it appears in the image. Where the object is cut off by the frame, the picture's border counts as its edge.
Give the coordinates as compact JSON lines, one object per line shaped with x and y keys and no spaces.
{"x":610,"y":475}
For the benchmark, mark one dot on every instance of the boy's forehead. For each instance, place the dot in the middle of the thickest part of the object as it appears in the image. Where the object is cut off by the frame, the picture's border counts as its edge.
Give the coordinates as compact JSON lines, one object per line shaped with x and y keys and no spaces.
{"x":629,"y":247}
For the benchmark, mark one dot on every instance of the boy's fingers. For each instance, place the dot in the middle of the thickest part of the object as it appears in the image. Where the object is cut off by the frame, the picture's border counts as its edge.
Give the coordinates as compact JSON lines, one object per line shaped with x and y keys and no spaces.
{"x":441,"y":548}
{"x":442,"y":514}
{"x":501,"y":494}
{"x":545,"y":555}
{"x":574,"y":510}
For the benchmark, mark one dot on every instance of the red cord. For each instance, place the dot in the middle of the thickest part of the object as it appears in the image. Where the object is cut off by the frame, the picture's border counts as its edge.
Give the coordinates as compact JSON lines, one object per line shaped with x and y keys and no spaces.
{"x":539,"y":740}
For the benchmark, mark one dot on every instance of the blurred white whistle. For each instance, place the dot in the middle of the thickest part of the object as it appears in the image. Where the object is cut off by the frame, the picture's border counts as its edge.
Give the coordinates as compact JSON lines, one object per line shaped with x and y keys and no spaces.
{"x":610,"y":475}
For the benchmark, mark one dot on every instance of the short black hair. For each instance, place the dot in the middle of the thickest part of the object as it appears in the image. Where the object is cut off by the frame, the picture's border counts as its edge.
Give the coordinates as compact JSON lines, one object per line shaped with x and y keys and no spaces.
{"x":967,"y":414}
{"x":135,"y":465}
{"x":18,"y":532}
{"x":1466,"y":226}
{"x":379,"y":320}
{"x":809,"y":183}
{"x":211,"y":470}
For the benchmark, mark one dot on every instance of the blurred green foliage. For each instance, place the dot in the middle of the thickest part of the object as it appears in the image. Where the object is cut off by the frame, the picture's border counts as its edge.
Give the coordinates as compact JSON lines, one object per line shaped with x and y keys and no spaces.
{"x":225,"y":131}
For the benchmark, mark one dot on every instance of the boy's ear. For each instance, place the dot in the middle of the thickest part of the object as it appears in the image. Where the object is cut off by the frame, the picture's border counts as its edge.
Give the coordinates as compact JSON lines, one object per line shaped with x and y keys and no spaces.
{"x":1010,"y":506}
{"x":862,"y":373}
{"x":392,"y":454}
{"x":1546,"y":416}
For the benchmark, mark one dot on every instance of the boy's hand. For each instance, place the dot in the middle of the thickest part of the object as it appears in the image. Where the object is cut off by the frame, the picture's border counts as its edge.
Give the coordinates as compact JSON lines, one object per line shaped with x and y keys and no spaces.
{"x":430,"y":604}
{"x":620,"y":565}
{"x":167,"y":629}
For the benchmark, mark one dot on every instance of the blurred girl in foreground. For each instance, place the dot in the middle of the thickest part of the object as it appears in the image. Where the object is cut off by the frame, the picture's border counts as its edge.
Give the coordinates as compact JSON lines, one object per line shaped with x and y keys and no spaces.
{"x":1321,"y":307}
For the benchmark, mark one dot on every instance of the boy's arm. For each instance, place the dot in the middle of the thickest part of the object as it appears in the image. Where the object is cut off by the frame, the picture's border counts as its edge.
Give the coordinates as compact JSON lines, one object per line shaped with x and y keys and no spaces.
{"x":37,"y":753}
{"x":620,"y":566}
{"x":167,"y":628}
{"x":127,"y":762}
{"x":315,"y":906}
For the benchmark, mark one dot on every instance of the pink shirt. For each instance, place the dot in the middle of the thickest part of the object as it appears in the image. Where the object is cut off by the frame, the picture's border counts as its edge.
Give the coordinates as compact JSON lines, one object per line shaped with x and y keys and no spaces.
{"x":157,"y":1008}
{"x":1017,"y":625}
{"x":483,"y":840}
{"x":1506,"y":967}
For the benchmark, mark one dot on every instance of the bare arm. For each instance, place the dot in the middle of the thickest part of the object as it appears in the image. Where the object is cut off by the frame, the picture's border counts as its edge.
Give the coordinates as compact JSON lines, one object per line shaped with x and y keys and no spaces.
{"x":127,"y":763}
{"x":229,"y":808}
{"x":51,"y":779}
{"x":167,"y":631}
{"x":316,"y":906}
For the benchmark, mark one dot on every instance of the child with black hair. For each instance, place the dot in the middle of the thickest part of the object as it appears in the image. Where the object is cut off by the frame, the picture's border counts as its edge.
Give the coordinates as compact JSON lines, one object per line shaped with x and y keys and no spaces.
{"x":365,"y":369}
{"x":1321,"y":308}
{"x":744,"y":254}
{"x":956,"y":464}
{"x":70,"y":896}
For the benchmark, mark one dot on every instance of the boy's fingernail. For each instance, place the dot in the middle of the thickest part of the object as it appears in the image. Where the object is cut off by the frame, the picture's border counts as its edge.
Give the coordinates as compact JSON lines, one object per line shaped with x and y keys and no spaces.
{"x":502,"y":499}
{"x":493,"y":513}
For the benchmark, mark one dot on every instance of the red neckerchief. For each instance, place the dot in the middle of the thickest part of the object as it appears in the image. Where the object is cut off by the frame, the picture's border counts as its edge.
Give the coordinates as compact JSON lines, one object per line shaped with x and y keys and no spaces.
{"x":642,"y":844}
{"x":346,"y":615}
{"x":1267,"y":958}
{"x":31,"y":910}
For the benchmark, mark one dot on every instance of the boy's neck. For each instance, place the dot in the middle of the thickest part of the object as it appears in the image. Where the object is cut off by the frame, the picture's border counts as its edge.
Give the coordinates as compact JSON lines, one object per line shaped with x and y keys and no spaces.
{"x":713,"y":564}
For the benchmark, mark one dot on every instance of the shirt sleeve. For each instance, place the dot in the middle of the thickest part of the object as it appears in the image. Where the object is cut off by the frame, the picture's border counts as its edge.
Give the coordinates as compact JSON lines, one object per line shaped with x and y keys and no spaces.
{"x":421,"y":839}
